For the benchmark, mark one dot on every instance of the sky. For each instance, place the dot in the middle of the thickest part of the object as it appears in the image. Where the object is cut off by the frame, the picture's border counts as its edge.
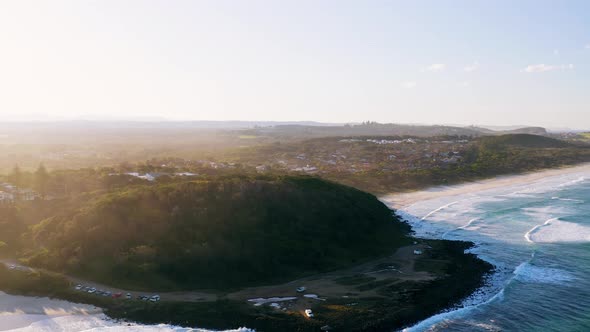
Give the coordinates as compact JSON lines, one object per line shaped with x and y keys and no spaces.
{"x":437,"y":62}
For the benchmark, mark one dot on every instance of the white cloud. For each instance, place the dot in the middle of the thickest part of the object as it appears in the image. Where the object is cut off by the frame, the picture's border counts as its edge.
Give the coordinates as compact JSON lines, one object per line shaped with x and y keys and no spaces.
{"x":556,"y":52}
{"x":541,"y":68}
{"x":435,"y":67}
{"x":588,"y":46}
{"x":471,"y":68}
{"x":465,"y":84}
{"x":409,"y":85}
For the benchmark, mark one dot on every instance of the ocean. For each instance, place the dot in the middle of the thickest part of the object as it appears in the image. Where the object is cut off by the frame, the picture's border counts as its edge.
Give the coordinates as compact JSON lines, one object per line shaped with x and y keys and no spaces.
{"x":537,"y":235}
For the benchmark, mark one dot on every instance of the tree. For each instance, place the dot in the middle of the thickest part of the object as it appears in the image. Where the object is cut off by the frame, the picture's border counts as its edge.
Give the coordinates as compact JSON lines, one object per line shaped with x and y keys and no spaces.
{"x":16,"y":176}
{"x":41,"y":180}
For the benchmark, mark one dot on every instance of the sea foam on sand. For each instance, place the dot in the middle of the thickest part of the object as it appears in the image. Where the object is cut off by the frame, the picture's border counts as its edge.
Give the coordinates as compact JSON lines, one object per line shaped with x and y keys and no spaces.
{"x":34,"y":314}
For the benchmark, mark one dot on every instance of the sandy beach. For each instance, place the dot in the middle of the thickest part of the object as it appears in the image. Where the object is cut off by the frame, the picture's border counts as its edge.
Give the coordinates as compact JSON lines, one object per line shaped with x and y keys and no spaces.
{"x":532,"y":227}
{"x":403,"y":200}
{"x":20,"y":311}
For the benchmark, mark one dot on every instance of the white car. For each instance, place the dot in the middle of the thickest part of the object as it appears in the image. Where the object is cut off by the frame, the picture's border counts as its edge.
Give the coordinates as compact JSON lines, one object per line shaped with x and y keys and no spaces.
{"x":92,"y":290}
{"x":301,"y":289}
{"x":309,"y":313}
{"x":78,"y":287}
{"x":155,"y":298}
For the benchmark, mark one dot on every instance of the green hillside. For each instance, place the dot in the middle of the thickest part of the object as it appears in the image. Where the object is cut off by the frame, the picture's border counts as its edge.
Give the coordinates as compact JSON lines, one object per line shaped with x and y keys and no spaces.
{"x":523,"y":140}
{"x":221,"y":233}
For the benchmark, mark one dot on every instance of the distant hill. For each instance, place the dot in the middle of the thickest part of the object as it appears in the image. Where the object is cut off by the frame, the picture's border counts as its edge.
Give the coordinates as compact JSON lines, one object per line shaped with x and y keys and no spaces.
{"x":389,"y":129}
{"x":513,"y":130}
{"x":523,"y":140}
{"x":153,"y":133}
{"x":375,"y":129}
{"x":222,"y":233}
{"x":527,"y":130}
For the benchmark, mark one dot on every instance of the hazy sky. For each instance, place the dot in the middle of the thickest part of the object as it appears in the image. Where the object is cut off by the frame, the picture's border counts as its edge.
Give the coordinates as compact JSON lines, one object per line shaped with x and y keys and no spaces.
{"x":461,"y":62}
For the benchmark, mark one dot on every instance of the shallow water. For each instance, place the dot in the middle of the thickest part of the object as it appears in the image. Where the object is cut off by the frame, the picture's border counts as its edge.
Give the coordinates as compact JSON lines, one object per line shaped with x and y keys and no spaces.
{"x":538,"y":237}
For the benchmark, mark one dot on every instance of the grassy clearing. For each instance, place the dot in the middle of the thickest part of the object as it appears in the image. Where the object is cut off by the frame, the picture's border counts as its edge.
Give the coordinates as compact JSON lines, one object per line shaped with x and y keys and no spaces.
{"x":354,"y":280}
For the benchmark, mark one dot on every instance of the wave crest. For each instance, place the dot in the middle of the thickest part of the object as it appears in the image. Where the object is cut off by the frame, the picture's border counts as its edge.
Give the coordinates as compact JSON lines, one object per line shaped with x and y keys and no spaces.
{"x":555,"y":231}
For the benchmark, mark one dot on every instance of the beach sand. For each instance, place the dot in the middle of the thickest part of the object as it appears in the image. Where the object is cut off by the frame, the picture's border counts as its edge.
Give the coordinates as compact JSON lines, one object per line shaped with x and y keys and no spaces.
{"x":21,"y":311}
{"x":404,"y":200}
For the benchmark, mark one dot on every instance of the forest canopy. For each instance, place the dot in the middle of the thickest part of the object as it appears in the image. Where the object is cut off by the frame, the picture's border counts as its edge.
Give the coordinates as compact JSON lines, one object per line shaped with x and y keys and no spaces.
{"x":219,"y":233}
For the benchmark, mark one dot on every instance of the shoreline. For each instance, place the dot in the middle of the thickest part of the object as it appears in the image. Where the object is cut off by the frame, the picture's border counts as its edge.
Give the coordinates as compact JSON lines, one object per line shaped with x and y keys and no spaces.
{"x":399,"y":201}
{"x":19,"y":311}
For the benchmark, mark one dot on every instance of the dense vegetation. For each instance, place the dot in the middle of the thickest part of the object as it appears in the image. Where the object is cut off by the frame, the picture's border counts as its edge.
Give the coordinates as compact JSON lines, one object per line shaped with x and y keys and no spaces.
{"x":523,"y":141}
{"x":221,"y":233}
{"x":76,"y":145}
{"x":394,"y":304}
{"x":486,"y":157}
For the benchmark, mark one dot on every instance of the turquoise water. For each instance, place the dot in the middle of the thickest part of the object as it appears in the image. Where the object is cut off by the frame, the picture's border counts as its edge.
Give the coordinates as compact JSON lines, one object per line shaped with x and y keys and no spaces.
{"x":538,"y":237}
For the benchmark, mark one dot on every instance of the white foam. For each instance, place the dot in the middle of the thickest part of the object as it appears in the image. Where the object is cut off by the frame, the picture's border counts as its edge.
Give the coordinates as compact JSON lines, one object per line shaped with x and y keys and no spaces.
{"x":439,"y":209}
{"x":568,"y":199}
{"x":573,"y":182}
{"x":526,"y":272}
{"x":517,"y":194}
{"x":442,"y":216}
{"x":434,"y":321}
{"x":99,"y":323}
{"x":469,"y":224}
{"x":35,"y":314}
{"x":486,"y":326}
{"x":555,"y":231}
{"x":421,"y":228}
{"x":528,"y":234}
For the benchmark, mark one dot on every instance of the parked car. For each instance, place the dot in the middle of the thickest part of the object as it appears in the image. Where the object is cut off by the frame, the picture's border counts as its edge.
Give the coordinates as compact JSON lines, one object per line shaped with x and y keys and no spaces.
{"x":92,"y":290}
{"x":155,"y":298}
{"x":301,"y":289}
{"x":309,"y":313}
{"x":79,"y":287}
{"x":128,"y":296}
{"x":117,"y":295}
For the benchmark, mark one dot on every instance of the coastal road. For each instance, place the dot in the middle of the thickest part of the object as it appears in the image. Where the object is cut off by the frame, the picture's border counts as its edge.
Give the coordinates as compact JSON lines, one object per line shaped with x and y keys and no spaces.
{"x":321,"y":284}
{"x":167,"y":296}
